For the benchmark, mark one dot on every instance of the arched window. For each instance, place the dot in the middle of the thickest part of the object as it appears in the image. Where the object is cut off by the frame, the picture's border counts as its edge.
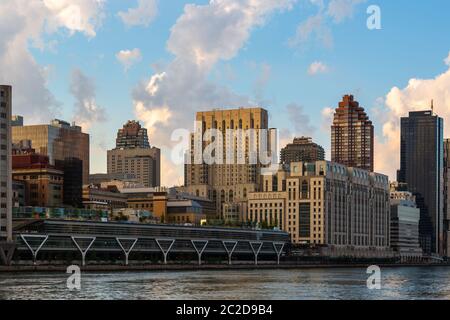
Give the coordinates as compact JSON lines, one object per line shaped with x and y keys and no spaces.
{"x":245,"y":192}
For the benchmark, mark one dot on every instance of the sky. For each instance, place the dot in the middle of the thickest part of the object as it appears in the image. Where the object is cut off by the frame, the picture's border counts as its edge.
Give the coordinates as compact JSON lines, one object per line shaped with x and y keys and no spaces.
{"x":102,"y":62}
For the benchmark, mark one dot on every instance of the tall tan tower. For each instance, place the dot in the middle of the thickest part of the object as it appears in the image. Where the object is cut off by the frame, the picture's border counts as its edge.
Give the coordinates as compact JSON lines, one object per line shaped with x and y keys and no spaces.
{"x":352,"y":136}
{"x":134,"y":155}
{"x":230,"y":182}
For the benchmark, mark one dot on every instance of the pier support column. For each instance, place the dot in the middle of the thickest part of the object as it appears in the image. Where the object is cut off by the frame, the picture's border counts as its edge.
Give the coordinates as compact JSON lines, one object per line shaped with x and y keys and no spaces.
{"x":7,"y":250}
{"x":34,"y":247}
{"x":86,"y":249}
{"x":256,"y":248}
{"x":229,"y":246}
{"x":127,"y":246}
{"x":165,"y":252}
{"x":278,"y":247}
{"x":202,"y":246}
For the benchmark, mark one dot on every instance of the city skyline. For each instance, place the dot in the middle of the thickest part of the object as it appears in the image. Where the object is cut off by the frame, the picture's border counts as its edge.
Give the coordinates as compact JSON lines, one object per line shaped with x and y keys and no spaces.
{"x":104,"y":89}
{"x":238,"y":69}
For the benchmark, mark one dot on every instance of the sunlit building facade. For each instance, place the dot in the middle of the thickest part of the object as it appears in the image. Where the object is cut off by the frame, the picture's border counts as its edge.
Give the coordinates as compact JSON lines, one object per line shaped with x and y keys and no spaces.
{"x":133,"y":155}
{"x":325,"y":204}
{"x":227,"y":183}
{"x":352,"y":136}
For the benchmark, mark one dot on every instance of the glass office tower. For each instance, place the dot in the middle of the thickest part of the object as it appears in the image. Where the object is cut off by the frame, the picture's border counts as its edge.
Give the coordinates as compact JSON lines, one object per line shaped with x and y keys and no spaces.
{"x":421,"y":167}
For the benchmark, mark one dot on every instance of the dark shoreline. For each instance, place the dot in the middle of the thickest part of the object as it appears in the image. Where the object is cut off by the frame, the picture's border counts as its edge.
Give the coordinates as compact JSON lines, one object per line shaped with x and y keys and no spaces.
{"x":175,"y":267}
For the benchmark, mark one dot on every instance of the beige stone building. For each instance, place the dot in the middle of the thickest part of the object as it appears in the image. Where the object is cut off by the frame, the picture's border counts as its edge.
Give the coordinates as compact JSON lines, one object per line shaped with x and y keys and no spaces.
{"x":231,"y":181}
{"x":133,"y":155}
{"x":143,"y":163}
{"x":325,"y":204}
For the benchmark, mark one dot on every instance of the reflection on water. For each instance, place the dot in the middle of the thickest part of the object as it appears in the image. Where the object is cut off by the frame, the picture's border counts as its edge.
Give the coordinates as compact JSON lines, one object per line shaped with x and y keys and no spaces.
{"x":397,"y":283}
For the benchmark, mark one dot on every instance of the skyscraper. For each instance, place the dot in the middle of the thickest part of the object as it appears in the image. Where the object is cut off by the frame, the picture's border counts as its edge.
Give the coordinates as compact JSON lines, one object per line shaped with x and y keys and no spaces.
{"x":302,"y":149}
{"x":5,"y":164}
{"x":352,"y":135}
{"x":132,"y":135}
{"x":134,"y":155}
{"x":59,"y":140}
{"x":447,"y":197}
{"x":421,"y":167}
{"x":227,"y":182}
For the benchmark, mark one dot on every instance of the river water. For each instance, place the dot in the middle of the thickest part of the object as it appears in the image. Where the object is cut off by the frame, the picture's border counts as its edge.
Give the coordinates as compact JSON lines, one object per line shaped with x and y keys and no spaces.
{"x":351,"y":283}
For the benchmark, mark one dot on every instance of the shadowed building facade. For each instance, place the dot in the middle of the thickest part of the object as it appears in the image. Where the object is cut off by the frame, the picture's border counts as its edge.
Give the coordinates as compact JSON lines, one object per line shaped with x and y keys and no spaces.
{"x":59,"y":140}
{"x":422,"y":169}
{"x":5,"y":164}
{"x":447,"y":197}
{"x":302,"y":149}
{"x":352,"y":136}
{"x":405,"y":217}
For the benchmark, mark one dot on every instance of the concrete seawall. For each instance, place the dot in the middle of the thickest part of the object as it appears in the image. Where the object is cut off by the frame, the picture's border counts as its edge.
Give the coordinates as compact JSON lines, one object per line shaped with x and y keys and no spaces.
{"x":185,"y":267}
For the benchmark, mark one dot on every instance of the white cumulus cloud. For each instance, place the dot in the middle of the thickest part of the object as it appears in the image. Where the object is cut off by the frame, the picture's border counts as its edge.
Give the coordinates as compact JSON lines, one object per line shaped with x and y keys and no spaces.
{"x":202,"y":36}
{"x":416,"y":96}
{"x":447,"y":60}
{"x":129,"y":57}
{"x":319,"y":25}
{"x":317,"y":67}
{"x":23,"y":23}
{"x":142,"y":15}
{"x":340,"y":10}
{"x":87,"y":111}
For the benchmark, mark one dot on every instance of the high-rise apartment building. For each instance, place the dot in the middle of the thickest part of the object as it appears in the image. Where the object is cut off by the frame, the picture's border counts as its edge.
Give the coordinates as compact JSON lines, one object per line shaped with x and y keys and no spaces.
{"x":447,"y":197}
{"x":131,"y":136}
{"x":422,"y":169}
{"x":5,"y":164}
{"x":325,"y":204}
{"x":59,"y":140}
{"x":302,"y":149}
{"x":352,"y":136}
{"x":228,"y":181}
{"x":134,"y":155}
